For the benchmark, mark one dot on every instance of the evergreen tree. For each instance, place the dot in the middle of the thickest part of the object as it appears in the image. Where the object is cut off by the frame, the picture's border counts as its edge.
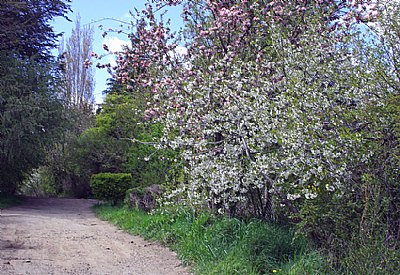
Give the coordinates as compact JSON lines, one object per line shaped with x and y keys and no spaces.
{"x":30,"y":106}
{"x":30,"y":118}
{"x":25,"y":27}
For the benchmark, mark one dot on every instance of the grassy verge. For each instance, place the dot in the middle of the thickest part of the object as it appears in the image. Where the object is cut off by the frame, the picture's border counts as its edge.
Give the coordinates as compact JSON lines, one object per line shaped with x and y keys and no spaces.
{"x":215,"y":245}
{"x":8,"y":201}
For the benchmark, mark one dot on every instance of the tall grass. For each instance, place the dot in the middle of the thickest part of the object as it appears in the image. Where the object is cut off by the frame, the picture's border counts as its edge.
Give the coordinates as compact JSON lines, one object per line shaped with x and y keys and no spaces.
{"x":370,"y":256}
{"x":221,"y":245}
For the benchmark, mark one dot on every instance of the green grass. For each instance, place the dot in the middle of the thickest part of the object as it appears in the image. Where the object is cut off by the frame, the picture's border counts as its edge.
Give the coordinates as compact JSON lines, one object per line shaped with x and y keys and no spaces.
{"x":371,"y":256}
{"x":219,"y":245}
{"x":9,"y":201}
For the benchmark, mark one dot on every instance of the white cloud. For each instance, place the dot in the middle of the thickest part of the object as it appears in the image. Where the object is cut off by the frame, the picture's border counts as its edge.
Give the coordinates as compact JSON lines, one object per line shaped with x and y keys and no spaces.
{"x":181,"y":51}
{"x":114,"y":43}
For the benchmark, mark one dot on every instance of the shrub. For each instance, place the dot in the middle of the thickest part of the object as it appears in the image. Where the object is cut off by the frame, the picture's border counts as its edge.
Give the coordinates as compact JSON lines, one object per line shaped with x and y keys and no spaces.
{"x":110,"y":187}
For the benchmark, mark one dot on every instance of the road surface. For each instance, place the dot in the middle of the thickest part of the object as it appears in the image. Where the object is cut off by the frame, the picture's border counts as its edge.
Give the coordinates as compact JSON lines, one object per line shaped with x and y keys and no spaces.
{"x":63,"y":236}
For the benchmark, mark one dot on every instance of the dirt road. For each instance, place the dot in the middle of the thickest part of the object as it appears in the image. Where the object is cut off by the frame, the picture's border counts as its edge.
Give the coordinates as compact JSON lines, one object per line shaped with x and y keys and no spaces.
{"x":62,"y":236}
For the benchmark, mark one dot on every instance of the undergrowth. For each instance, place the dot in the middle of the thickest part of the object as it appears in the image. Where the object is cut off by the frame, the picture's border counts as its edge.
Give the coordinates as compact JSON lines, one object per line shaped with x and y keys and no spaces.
{"x":9,"y":201}
{"x":221,"y":245}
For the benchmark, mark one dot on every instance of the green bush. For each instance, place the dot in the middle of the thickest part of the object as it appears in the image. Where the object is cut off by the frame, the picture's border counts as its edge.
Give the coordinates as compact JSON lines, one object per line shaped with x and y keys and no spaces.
{"x":110,"y":187}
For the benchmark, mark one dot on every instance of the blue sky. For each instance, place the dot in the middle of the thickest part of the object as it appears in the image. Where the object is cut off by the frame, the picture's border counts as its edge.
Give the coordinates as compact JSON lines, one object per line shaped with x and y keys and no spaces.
{"x":92,"y":12}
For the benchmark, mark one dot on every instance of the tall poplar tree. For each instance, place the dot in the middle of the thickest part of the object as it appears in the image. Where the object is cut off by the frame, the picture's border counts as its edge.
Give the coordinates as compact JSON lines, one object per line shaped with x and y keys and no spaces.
{"x":79,"y":82}
{"x":78,"y":102}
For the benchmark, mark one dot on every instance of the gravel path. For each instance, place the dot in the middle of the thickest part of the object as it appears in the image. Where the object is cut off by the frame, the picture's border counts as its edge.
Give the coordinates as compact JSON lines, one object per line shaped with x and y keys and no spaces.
{"x":62,"y":236}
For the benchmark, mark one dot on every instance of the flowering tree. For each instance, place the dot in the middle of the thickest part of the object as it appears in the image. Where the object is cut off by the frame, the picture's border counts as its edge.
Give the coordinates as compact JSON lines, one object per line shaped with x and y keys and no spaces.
{"x":263,"y":107}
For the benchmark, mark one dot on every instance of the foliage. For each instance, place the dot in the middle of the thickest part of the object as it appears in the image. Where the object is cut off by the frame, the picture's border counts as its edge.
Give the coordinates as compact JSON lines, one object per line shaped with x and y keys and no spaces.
{"x":30,"y":106}
{"x":110,"y":187}
{"x":310,"y":263}
{"x":122,"y":118}
{"x":90,"y":153}
{"x":26,"y":27}
{"x":106,"y":148}
{"x":381,"y":178}
{"x":30,"y":117}
{"x":368,"y":206}
{"x":9,"y":201}
{"x":96,"y":149}
{"x":148,"y":165}
{"x":280,"y":110}
{"x":119,"y":143}
{"x":77,"y":86}
{"x":40,"y":183}
{"x":253,"y":131}
{"x":213,"y":245}
{"x":370,"y":255}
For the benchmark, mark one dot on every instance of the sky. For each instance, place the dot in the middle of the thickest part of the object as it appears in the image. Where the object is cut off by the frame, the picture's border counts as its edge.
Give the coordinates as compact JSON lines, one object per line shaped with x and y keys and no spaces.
{"x":95,"y":13}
